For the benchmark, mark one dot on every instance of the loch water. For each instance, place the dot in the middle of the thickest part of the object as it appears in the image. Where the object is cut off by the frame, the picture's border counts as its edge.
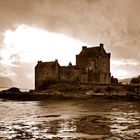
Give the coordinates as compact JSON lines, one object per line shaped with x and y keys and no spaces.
{"x":101,"y":119}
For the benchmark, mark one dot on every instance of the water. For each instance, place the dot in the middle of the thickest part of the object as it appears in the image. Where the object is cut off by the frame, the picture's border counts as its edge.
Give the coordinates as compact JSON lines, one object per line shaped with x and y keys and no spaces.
{"x":70,"y":120}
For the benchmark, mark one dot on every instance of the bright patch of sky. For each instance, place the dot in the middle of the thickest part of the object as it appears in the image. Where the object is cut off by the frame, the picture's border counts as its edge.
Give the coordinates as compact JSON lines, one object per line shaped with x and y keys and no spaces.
{"x":32,"y":44}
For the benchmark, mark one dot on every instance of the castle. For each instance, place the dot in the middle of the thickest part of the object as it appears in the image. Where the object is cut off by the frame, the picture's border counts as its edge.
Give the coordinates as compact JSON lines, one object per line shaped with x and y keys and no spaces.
{"x":92,"y":66}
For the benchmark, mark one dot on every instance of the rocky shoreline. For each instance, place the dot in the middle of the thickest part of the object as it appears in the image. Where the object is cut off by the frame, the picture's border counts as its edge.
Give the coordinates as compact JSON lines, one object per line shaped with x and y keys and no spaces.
{"x":16,"y":94}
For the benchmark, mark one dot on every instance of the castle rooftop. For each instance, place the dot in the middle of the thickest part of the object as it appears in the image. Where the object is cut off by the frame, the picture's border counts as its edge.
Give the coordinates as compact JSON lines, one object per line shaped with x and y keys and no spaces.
{"x":92,"y":51}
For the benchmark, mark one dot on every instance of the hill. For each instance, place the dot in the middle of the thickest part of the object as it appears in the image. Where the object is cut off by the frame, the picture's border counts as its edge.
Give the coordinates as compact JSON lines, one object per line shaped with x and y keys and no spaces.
{"x":125,"y":81}
{"x":6,"y":82}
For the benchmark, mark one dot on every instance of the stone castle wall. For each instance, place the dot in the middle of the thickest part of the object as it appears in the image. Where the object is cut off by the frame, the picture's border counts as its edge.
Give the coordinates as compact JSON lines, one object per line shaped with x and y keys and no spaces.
{"x":92,"y":65}
{"x":97,"y":66}
{"x":46,"y":72}
{"x":69,"y":73}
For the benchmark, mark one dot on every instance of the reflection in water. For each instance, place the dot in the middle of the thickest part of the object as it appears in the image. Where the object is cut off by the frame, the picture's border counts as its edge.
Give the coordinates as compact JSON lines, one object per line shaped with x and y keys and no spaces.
{"x":125,"y":123}
{"x":69,"y":119}
{"x":67,"y":126}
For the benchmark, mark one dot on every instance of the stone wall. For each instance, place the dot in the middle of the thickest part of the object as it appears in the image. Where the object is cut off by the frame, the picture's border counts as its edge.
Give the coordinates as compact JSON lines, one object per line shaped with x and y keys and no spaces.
{"x":92,"y":65}
{"x":96,"y":63}
{"x":46,"y":71}
{"x":69,"y":73}
{"x":137,"y":89}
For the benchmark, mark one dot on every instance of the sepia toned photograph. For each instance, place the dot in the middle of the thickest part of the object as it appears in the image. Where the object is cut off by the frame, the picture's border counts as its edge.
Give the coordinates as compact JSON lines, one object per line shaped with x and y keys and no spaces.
{"x":69,"y":70}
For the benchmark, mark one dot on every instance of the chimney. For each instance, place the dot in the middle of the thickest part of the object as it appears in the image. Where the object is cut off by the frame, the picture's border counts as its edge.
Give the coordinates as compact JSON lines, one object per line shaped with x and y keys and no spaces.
{"x":84,"y":47}
{"x":39,"y":62}
{"x":56,"y":60}
{"x":101,"y":45}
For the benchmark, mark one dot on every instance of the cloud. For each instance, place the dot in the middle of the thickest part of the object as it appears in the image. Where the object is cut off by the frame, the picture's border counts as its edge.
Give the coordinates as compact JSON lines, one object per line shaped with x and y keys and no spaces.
{"x":121,"y":72}
{"x":26,"y":45}
{"x":23,"y":75}
{"x":114,"y":23}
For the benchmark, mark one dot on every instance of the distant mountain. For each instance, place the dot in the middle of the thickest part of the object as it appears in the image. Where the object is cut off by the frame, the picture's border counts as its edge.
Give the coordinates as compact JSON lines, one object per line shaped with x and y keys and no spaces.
{"x":6,"y":82}
{"x":125,"y":81}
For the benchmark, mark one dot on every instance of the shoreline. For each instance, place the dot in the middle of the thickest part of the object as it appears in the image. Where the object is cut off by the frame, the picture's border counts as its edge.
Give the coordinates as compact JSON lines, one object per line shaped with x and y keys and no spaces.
{"x":16,"y":94}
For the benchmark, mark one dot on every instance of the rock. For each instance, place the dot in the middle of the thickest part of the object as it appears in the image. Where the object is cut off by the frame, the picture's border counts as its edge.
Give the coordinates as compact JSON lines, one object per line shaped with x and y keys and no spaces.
{"x":14,"y":89}
{"x":90,"y":92}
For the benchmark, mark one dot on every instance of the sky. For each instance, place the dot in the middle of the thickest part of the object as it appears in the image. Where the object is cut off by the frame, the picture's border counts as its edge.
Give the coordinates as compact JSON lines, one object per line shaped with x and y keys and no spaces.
{"x":32,"y":30}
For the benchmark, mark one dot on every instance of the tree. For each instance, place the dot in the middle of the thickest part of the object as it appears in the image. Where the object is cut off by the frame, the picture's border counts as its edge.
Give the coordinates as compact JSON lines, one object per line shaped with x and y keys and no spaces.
{"x":135,"y":80}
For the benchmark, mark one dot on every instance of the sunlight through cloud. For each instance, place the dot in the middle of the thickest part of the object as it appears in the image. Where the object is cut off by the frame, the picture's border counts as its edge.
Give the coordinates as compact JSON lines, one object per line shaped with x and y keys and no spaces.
{"x":124,"y":62}
{"x":33,"y":44}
